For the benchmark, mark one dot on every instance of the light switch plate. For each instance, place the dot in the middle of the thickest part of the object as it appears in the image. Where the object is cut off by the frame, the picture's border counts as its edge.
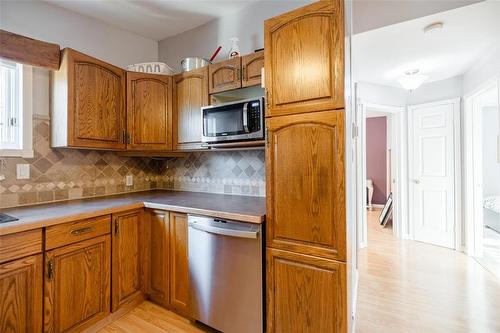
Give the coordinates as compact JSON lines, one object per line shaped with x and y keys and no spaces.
{"x":23,"y":171}
{"x":129,"y":180}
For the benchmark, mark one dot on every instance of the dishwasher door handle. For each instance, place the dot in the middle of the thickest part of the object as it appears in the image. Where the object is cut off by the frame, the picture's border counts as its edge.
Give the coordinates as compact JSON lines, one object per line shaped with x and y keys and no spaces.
{"x":224,"y":231}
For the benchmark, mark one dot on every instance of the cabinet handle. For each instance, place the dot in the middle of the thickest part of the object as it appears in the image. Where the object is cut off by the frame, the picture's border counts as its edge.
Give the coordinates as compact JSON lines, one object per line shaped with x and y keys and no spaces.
{"x":116,"y":227}
{"x":243,"y":74}
{"x":123,"y":137}
{"x":80,"y":231}
{"x":238,"y":74}
{"x":267,"y":136}
{"x":128,"y":138}
{"x":50,"y":269}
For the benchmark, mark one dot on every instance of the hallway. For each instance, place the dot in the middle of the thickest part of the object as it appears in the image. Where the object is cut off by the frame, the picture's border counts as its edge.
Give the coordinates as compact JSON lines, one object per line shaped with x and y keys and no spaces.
{"x":407,"y":286}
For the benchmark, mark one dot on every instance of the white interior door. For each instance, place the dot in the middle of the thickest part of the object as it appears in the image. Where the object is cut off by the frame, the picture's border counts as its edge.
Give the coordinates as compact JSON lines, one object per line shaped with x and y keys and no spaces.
{"x":432,"y":172}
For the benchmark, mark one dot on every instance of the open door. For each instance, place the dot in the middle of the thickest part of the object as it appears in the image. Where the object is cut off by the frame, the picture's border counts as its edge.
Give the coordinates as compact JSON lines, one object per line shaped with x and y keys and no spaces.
{"x":433,"y":155}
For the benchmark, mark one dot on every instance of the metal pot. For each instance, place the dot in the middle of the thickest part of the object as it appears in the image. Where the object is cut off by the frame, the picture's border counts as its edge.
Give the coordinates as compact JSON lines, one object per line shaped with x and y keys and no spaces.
{"x":188,"y":64}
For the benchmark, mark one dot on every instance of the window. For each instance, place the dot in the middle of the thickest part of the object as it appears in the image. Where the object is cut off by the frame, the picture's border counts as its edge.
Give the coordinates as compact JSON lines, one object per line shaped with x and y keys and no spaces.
{"x":15,"y":109}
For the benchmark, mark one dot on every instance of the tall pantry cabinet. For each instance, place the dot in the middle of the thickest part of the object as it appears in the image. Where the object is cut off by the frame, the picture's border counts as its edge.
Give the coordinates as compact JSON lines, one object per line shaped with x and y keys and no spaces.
{"x":305,"y":220}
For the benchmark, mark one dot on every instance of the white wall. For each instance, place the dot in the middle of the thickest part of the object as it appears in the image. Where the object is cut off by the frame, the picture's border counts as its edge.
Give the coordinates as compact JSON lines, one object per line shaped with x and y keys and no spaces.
{"x":436,"y":91}
{"x":44,"y":21}
{"x":393,"y":96}
{"x":379,"y":94}
{"x":491,"y":168}
{"x":482,"y":71}
{"x":247,"y":25}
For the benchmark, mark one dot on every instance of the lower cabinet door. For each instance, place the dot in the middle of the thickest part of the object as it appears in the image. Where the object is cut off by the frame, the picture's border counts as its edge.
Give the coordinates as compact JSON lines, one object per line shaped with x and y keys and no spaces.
{"x":127,"y":258}
{"x":77,"y":279}
{"x":179,"y":269}
{"x":305,"y":293}
{"x":159,"y":257}
{"x":21,"y":295}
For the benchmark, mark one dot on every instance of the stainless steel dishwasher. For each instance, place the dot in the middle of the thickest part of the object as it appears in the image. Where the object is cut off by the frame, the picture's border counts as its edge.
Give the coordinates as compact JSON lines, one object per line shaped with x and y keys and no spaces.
{"x":225,"y":271}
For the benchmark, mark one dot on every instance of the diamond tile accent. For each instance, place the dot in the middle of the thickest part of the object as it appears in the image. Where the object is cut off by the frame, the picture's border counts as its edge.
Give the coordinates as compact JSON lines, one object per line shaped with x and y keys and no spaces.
{"x":14,"y":188}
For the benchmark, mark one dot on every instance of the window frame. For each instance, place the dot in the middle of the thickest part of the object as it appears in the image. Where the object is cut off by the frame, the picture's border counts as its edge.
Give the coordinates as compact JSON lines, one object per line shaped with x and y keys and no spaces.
{"x":26,"y":116}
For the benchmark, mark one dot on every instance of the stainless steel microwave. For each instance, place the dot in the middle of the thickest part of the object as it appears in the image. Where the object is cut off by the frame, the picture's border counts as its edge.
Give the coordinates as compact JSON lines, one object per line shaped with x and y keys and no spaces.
{"x":235,"y":121}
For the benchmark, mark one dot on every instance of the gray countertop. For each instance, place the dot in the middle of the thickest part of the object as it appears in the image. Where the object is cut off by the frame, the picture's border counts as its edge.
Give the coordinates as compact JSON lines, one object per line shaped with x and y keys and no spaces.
{"x":234,"y":207}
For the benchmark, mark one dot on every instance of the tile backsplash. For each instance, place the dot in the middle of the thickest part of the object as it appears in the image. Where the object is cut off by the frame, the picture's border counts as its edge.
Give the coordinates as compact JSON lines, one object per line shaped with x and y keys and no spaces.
{"x":62,"y":174}
{"x":230,"y":172}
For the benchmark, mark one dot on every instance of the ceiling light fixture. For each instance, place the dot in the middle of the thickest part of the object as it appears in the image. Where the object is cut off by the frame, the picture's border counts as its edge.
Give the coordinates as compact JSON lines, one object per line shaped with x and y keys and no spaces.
{"x":433,"y":28}
{"x":412,"y":79}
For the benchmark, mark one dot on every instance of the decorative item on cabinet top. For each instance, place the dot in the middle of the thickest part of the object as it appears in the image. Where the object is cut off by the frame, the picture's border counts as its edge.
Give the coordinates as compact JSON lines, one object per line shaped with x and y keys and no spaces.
{"x":151,"y":68}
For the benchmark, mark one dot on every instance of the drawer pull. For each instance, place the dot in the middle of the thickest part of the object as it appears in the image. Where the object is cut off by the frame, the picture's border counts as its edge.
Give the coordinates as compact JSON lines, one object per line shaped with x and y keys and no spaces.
{"x":80,"y":231}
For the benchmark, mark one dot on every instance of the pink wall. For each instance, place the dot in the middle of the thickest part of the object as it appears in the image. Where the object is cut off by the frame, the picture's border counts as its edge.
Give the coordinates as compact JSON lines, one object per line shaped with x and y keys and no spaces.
{"x":376,"y":151}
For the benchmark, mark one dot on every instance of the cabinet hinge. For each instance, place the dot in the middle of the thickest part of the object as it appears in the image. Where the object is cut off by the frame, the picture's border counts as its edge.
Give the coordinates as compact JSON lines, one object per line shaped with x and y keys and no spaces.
{"x":267,"y":136}
{"x":50,"y":269}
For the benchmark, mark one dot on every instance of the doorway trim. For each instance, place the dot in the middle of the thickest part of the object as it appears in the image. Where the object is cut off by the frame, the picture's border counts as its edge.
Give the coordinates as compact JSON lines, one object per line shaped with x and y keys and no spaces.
{"x":409,"y":231}
{"x":472,"y":213}
{"x":396,"y":115}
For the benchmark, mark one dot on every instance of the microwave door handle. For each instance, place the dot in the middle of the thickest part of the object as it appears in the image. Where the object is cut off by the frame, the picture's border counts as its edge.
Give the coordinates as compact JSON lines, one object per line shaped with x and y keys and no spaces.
{"x":245,"y":117}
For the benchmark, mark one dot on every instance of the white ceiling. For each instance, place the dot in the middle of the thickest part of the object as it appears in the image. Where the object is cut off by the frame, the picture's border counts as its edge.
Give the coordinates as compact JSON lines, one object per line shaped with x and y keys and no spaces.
{"x":154,"y":19}
{"x":469,"y":33}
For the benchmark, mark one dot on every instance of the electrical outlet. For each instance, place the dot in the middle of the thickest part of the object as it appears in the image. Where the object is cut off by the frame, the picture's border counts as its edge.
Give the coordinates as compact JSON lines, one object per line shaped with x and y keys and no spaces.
{"x":129,"y":180}
{"x":23,"y":171}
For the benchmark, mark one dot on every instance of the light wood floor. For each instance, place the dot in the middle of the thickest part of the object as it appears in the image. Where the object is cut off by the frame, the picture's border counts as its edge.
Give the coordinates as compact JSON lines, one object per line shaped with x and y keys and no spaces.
{"x":407,"y":286}
{"x":150,"y":318}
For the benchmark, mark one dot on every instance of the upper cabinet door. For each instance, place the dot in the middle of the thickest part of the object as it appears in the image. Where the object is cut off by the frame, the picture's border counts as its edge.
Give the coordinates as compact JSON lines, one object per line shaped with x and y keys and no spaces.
{"x":305,"y":184}
{"x":88,"y":103}
{"x":149,"y":111}
{"x":225,"y":75}
{"x":304,"y":59}
{"x":251,"y":67}
{"x":190,"y":94}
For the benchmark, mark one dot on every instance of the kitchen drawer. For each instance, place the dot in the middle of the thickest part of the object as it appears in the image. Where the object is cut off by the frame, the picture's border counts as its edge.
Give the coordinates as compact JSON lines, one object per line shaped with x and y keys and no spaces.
{"x":67,"y":233}
{"x":20,"y":244}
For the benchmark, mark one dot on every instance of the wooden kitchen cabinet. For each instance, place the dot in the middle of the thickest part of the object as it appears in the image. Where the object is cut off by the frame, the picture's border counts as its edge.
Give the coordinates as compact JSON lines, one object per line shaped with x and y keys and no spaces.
{"x":127,"y":258}
{"x":77,"y":285}
{"x":251,"y":68}
{"x":149,"y":111}
{"x":179,"y":268}
{"x":305,"y":187}
{"x":236,"y":73}
{"x":304,"y":59}
{"x":87,"y":103}
{"x":224,"y":75}
{"x":159,"y":284}
{"x":190,"y":94}
{"x":21,"y":290}
{"x":305,"y":293}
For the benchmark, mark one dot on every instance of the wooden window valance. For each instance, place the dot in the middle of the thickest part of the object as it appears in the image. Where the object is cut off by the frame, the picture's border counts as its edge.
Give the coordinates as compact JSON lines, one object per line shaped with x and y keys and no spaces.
{"x":29,"y":51}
